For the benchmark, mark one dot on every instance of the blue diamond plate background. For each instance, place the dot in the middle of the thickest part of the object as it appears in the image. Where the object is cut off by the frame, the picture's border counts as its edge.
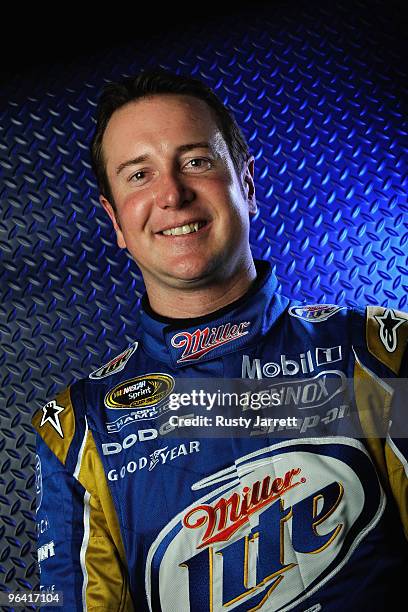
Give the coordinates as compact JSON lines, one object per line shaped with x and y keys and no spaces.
{"x":320,"y":92}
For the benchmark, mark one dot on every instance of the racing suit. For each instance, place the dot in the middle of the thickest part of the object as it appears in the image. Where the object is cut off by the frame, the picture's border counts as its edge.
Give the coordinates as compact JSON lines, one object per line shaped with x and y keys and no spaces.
{"x":131,"y":518}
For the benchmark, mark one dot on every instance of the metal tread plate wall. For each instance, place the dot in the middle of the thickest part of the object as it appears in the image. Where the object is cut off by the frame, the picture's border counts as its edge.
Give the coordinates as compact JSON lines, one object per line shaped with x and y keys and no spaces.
{"x":319,"y":92}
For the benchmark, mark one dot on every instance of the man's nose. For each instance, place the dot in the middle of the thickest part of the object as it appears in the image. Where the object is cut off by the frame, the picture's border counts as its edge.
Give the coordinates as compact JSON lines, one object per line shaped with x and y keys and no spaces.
{"x":173,"y":191}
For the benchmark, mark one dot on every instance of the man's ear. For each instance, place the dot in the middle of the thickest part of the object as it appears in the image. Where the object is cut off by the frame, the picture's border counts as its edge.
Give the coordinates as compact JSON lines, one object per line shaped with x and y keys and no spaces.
{"x":249,"y":184}
{"x":112,"y":215}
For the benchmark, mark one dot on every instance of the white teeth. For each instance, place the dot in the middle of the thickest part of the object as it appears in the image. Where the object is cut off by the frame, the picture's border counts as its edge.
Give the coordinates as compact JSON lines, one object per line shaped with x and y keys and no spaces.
{"x":183,"y":229}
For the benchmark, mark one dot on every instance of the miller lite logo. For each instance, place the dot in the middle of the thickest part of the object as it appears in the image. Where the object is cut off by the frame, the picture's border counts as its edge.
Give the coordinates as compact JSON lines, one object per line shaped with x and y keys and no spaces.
{"x":315,"y":313}
{"x":200,"y":342}
{"x":269,"y":531}
{"x":115,"y":365}
{"x":224,"y":518}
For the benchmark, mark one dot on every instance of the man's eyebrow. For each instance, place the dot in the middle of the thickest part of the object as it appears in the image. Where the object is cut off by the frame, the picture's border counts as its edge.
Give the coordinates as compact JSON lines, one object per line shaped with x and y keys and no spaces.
{"x":181,"y":149}
{"x":194,"y":145}
{"x":131,"y":162}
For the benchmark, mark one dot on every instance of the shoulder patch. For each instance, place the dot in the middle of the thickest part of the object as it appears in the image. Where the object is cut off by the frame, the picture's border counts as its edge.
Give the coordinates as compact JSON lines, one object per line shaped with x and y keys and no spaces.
{"x":55,"y":423}
{"x":315,"y":313}
{"x":387,"y":335}
{"x":115,"y":365}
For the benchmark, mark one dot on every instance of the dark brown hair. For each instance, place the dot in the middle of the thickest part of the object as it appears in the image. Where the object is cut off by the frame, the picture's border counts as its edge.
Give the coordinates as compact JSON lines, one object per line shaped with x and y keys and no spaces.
{"x":159,"y":81}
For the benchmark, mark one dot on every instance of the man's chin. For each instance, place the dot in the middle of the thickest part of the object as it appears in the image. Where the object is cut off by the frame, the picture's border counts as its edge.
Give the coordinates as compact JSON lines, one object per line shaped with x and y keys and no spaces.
{"x":190,"y":274}
{"x":190,"y":279}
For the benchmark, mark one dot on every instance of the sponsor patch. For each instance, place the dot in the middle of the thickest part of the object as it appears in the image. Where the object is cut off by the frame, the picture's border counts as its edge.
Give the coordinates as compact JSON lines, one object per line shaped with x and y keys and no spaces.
{"x":143,"y":435}
{"x":159,"y":457}
{"x":114,"y":365}
{"x":225,"y":517}
{"x":140,"y":392}
{"x":305,"y":363}
{"x":310,"y":392}
{"x":315,"y":313}
{"x":46,"y":551}
{"x":42,"y":525}
{"x":51,"y":412}
{"x":303,"y":424}
{"x":38,"y":483}
{"x":143,"y":414}
{"x":271,"y":529}
{"x":200,"y":342}
{"x":388,"y":324}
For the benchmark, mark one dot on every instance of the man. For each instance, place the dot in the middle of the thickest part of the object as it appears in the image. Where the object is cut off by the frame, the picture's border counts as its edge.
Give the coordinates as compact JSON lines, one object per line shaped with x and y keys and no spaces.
{"x":132,"y":518}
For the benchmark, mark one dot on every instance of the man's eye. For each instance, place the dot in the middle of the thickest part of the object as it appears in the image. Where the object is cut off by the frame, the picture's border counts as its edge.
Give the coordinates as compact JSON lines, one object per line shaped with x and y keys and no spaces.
{"x":198,"y":164}
{"x":137,"y":176}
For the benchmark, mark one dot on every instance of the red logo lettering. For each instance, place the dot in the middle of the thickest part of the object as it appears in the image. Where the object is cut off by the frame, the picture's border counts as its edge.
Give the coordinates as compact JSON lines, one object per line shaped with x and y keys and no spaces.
{"x":202,"y":341}
{"x":224,"y":518}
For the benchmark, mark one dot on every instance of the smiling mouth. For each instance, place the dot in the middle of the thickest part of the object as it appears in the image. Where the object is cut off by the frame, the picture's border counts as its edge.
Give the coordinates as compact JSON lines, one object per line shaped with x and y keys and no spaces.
{"x":182,"y":230}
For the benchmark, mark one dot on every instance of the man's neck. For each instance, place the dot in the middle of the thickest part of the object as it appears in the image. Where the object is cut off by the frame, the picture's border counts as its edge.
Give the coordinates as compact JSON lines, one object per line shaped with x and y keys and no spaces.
{"x":185,"y":304}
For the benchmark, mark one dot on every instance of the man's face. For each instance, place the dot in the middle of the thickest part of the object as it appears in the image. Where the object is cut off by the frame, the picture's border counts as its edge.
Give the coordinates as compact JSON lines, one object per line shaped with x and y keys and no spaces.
{"x":181,"y":206}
